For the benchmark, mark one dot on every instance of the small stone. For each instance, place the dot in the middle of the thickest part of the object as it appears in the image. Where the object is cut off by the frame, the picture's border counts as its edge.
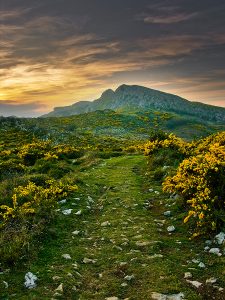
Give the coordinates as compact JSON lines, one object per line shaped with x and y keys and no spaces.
{"x":77,"y":199}
{"x":67,"y":211}
{"x":201,"y":265}
{"x":89,"y":260}
{"x":215,"y":251}
{"x":187,"y":275}
{"x":30,"y":280}
{"x":211,"y":280}
{"x":158,"y":296}
{"x":59,"y":289}
{"x":56,"y":278}
{"x":106,"y":223}
{"x":195,"y":261}
{"x":129,"y":277}
{"x":78,"y":213}
{"x":219,"y":238}
{"x":62,"y":201}
{"x":171,"y":228}
{"x":66,"y":256}
{"x":167,"y":213}
{"x":124,"y":284}
{"x":112,"y":298}
{"x":157,"y":193}
{"x":150,"y":190}
{"x":76,"y":232}
{"x":142,"y":244}
{"x":196,"y":284}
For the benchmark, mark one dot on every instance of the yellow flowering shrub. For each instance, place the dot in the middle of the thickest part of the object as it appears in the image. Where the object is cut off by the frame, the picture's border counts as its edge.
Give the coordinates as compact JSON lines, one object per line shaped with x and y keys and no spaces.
{"x":32,"y":199}
{"x":200,"y":179}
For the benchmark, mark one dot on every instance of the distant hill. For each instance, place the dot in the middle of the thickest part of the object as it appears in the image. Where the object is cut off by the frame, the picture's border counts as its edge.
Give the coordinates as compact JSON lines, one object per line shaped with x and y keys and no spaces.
{"x":134,"y":98}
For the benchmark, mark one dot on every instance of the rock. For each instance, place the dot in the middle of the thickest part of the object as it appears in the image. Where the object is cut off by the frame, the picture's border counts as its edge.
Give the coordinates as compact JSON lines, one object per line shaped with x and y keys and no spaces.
{"x":157,"y":193}
{"x":67,"y":211}
{"x":187,"y":275}
{"x":208,"y":242}
{"x":78,"y":213}
{"x":77,"y":199}
{"x":158,"y":296}
{"x":171,"y":228}
{"x":142,"y":244}
{"x":62,"y":201}
{"x":106,"y":223}
{"x":155,"y":256}
{"x":30,"y":280}
{"x":90,"y":199}
{"x":211,"y":280}
{"x":76,"y":232}
{"x":59,"y":289}
{"x":215,"y":251}
{"x":124,"y":284}
{"x":112,"y":298}
{"x":201,"y":265}
{"x":196,"y":284}
{"x":89,"y":260}
{"x":219,"y":238}
{"x":167,"y":213}
{"x":66,"y":256}
{"x":150,"y":190}
{"x":55,"y":278}
{"x":129,"y":277}
{"x":195,"y":261}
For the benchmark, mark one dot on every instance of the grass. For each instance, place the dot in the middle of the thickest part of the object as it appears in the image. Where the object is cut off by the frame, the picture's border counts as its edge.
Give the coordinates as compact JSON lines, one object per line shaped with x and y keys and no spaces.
{"x":119,"y":187}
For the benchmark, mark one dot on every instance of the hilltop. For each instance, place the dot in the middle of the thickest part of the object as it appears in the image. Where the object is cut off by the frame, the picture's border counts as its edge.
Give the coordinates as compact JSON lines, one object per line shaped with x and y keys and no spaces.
{"x":133,"y":98}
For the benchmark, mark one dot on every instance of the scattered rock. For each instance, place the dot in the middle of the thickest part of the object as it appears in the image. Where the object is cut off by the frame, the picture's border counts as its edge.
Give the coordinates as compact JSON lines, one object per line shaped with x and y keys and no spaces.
{"x":142,"y":244}
{"x":215,"y":251}
{"x":157,"y":193}
{"x":220,"y":238}
{"x":158,"y":296}
{"x":201,"y":265}
{"x":187,"y":275}
{"x":211,"y":280}
{"x":78,"y":213}
{"x":167,"y":213}
{"x":124,"y":284}
{"x":196,"y":284}
{"x":30,"y":280}
{"x":112,"y":298}
{"x":89,"y":261}
{"x":62,"y":201}
{"x":155,"y":256}
{"x":171,"y":228}
{"x":150,"y":190}
{"x":106,"y":223}
{"x":129,"y":277}
{"x":66,"y":256}
{"x":59,"y":289}
{"x":67,"y":211}
{"x":76,"y":232}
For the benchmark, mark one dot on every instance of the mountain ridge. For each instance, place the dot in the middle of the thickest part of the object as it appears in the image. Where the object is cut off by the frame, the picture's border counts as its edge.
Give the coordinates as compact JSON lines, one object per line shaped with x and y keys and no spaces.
{"x":130,"y":98}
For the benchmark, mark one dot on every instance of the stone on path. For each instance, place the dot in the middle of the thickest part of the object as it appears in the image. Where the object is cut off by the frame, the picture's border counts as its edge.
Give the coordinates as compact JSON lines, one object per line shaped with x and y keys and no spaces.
{"x":171,"y":228}
{"x":30,"y":280}
{"x":66,"y":256}
{"x":59,"y":289}
{"x":220,"y":238}
{"x":67,"y":211}
{"x":195,"y":283}
{"x":158,"y":296}
{"x":211,"y":280}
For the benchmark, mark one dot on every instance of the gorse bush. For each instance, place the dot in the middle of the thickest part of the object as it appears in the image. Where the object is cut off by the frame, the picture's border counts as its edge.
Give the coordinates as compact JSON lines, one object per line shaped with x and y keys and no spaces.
{"x":200,"y":180}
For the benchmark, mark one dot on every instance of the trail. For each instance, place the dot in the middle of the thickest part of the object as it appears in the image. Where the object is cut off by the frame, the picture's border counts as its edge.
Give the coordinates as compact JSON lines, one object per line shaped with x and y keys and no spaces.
{"x":118,"y":247}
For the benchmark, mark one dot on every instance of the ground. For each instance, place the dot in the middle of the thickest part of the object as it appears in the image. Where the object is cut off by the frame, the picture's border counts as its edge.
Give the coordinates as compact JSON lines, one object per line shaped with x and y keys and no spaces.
{"x":118,"y":244}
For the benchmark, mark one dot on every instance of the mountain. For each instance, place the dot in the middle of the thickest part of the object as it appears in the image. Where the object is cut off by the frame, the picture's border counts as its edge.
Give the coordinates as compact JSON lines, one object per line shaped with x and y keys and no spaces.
{"x":133,"y":98}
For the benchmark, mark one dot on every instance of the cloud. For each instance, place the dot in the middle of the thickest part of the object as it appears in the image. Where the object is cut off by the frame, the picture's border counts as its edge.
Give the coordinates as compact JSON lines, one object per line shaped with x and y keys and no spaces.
{"x":169,"y":19}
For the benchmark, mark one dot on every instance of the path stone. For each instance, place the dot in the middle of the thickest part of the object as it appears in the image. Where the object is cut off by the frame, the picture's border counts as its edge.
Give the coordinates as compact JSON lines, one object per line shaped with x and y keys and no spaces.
{"x":66,"y":256}
{"x":158,"y":296}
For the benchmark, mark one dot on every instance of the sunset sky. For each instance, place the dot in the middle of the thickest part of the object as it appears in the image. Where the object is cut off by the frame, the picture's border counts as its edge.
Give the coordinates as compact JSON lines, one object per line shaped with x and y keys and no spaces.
{"x":57,"y":52}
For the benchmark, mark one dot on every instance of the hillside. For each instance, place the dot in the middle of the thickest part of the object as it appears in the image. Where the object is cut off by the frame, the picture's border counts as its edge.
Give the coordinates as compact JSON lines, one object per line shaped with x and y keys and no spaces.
{"x":137,"y":98}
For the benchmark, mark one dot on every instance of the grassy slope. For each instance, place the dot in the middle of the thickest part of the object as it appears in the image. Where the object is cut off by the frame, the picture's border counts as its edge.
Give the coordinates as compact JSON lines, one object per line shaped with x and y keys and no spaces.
{"x":119,"y":189}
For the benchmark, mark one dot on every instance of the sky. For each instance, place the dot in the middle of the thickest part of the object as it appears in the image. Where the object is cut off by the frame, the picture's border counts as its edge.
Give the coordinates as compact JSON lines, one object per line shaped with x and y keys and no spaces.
{"x":58,"y":52}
